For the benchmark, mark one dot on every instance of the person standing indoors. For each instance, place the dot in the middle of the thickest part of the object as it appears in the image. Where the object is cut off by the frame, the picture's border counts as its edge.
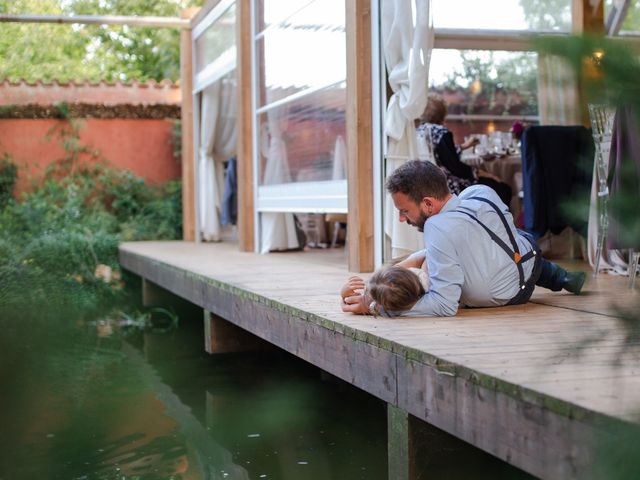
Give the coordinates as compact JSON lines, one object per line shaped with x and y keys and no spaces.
{"x":447,"y":154}
{"x":475,"y":255}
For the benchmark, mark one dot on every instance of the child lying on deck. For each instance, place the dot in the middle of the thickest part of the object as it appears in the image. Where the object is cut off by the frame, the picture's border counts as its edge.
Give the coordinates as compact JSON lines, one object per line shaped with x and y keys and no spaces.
{"x":394,"y":288}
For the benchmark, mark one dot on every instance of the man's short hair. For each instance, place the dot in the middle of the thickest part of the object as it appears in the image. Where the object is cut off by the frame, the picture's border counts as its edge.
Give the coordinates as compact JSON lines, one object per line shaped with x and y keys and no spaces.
{"x":418,"y":179}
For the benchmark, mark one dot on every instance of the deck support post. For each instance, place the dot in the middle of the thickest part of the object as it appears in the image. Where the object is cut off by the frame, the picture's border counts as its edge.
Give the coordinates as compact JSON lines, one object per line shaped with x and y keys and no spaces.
{"x":417,"y":450}
{"x":398,"y":443}
{"x":154,"y":295}
{"x":222,"y":336}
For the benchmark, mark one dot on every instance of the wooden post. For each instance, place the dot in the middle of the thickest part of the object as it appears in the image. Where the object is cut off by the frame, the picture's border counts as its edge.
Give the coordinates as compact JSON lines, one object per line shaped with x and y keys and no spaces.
{"x":417,"y":450}
{"x":188,"y":157}
{"x":154,"y":295}
{"x":246,"y":208}
{"x":586,"y":19}
{"x":398,"y":443}
{"x":359,"y":136}
{"x":222,"y":336}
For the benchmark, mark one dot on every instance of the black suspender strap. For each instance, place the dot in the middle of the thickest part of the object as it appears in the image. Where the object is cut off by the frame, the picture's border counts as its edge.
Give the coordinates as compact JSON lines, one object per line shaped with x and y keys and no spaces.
{"x":514,"y":253}
{"x":500,"y":243}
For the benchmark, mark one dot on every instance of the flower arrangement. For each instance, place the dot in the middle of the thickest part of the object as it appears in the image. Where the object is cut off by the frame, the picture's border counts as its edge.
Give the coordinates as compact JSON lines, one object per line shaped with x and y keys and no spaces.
{"x":517,"y":129}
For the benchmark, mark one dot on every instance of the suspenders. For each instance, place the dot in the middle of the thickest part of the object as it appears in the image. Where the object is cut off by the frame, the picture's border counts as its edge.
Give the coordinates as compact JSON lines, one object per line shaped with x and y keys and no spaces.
{"x":513,"y":251}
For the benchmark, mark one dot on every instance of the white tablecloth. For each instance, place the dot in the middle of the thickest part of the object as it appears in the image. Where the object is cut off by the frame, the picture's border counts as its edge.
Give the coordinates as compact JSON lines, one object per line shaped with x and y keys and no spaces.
{"x":505,"y":168}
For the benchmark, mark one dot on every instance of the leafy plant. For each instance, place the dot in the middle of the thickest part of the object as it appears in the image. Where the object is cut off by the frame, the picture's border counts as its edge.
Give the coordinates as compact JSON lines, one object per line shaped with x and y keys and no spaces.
{"x":59,"y":242}
{"x":8,"y":177}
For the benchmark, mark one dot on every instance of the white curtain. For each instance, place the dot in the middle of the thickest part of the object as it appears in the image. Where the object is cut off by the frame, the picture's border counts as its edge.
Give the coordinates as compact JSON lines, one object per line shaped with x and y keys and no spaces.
{"x":339,"y":170}
{"x":278,"y":230}
{"x":217,"y":143}
{"x":407,"y":33}
{"x":557,"y":92}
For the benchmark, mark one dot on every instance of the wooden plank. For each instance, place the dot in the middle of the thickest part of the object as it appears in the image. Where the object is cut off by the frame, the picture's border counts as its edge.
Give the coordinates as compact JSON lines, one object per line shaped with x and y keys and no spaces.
{"x":246,"y":206}
{"x":188,"y":155}
{"x":359,"y":136}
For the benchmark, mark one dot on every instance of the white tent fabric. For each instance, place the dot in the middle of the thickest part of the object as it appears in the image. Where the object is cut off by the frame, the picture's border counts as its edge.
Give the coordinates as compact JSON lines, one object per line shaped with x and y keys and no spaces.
{"x":217,"y":143}
{"x":278,"y":230}
{"x":557,"y":92}
{"x":407,"y":33}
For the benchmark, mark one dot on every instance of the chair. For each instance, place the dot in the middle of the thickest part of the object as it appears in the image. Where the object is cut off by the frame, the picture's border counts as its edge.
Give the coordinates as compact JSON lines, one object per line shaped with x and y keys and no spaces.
{"x":424,"y":144}
{"x":553,"y":177}
{"x":602,"y":129}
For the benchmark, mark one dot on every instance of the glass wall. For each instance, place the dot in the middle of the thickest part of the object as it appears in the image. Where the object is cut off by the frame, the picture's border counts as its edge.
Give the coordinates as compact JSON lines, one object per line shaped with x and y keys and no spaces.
{"x":215,"y":132}
{"x":485,"y":90}
{"x":535,"y":15}
{"x":631,"y":21}
{"x":215,"y":44}
{"x":300,"y":98}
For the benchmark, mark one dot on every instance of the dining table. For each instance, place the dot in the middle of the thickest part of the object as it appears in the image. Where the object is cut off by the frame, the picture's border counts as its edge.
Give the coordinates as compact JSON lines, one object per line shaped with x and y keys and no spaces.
{"x":507,"y":167}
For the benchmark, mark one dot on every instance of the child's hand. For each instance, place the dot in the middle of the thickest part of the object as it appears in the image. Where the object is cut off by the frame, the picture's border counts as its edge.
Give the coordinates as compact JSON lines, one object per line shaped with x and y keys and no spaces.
{"x":354,"y":286}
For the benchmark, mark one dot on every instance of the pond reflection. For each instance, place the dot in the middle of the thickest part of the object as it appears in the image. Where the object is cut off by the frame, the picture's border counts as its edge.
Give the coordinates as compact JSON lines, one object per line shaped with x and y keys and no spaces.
{"x":83,"y":402}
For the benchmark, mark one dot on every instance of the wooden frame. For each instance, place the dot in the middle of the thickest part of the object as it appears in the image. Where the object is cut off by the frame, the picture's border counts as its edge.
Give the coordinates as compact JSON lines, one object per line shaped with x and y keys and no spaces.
{"x":188,"y":153}
{"x":359,"y":136}
{"x":246,"y":203}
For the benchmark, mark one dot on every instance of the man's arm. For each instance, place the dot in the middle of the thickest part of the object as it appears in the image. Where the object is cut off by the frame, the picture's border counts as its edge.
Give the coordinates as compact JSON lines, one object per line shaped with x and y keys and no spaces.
{"x":445,"y":276}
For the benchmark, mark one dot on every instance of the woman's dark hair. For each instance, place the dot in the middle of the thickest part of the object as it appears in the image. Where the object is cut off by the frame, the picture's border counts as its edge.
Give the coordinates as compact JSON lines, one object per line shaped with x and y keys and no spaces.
{"x":395,"y":289}
{"x":435,"y":111}
{"x":417,"y":180}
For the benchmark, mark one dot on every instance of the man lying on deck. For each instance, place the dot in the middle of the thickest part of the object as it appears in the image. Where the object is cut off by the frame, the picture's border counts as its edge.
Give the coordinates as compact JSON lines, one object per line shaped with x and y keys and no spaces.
{"x":475,"y":255}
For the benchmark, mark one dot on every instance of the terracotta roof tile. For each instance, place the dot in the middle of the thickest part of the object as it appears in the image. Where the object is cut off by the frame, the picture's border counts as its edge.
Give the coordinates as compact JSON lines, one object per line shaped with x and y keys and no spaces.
{"x":22,"y":92}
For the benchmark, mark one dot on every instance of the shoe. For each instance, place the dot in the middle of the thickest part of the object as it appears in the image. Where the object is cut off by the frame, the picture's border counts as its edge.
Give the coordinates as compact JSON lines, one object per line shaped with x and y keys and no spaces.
{"x":574,"y":281}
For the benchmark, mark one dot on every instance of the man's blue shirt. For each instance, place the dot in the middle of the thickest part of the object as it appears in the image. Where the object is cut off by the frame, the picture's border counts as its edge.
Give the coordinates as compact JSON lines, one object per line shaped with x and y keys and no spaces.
{"x":466,"y":266}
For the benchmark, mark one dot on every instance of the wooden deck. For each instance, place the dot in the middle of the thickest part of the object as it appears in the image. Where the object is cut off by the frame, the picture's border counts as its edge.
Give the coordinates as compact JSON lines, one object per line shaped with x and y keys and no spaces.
{"x":538,"y":385}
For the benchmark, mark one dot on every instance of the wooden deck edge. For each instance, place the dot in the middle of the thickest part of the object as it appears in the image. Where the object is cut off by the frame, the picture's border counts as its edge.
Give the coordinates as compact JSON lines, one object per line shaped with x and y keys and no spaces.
{"x":525,"y":428}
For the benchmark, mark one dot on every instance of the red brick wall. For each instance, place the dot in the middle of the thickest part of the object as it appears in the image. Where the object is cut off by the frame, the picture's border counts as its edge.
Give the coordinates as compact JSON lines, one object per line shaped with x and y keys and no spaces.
{"x":142,"y":146}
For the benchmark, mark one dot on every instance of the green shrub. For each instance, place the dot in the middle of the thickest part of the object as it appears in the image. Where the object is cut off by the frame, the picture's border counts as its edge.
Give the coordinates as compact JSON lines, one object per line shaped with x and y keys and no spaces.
{"x":55,"y":239}
{"x":8,"y":177}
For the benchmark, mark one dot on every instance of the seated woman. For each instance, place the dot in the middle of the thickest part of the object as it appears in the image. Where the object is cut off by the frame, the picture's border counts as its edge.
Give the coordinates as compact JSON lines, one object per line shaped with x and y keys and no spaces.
{"x":447,"y":154}
{"x":394,"y":288}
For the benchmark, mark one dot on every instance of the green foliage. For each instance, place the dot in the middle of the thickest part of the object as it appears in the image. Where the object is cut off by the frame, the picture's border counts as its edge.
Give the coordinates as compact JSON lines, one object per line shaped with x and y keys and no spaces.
{"x":8,"y":177}
{"x":547,"y":15}
{"x":176,"y":140}
{"x":66,"y":52}
{"x":509,"y":79}
{"x":58,"y":243}
{"x":608,"y":71}
{"x":43,"y":51}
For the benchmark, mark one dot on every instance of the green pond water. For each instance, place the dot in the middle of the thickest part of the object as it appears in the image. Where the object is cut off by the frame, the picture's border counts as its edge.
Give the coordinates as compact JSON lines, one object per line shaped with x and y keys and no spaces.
{"x":81,"y":400}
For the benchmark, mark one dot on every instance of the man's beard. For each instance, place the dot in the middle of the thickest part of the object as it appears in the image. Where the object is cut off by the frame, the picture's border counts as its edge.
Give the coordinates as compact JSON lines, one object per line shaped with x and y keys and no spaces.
{"x":420,"y":222}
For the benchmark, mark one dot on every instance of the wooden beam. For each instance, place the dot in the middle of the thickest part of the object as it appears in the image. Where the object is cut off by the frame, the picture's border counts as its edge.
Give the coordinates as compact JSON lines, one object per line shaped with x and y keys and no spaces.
{"x":246,"y":207}
{"x":586,"y":19}
{"x":188,"y":157}
{"x":131,"y":21}
{"x":359,"y":136}
{"x":222,"y":336}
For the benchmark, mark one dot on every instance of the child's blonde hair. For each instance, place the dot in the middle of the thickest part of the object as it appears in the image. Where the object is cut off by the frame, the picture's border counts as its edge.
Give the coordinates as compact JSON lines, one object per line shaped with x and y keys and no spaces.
{"x":395,"y":288}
